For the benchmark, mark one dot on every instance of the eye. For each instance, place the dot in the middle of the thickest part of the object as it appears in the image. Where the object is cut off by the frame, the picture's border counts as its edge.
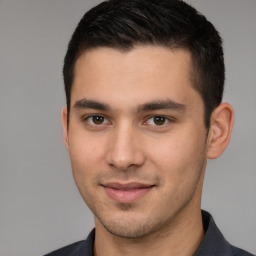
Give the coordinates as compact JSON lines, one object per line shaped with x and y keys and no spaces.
{"x":158,"y":120}
{"x":96,"y":120}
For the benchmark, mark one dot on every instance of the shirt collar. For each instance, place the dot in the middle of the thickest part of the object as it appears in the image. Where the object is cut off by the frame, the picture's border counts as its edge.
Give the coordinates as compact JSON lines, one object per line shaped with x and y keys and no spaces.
{"x":213,"y":242}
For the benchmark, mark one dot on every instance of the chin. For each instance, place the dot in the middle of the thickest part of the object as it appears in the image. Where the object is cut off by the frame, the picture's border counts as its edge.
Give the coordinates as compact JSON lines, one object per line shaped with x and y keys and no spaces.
{"x":132,"y":227}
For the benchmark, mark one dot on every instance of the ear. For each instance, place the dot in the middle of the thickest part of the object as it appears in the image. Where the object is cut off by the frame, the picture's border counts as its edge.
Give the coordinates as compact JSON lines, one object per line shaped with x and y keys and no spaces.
{"x":222,"y":120}
{"x":64,"y":118}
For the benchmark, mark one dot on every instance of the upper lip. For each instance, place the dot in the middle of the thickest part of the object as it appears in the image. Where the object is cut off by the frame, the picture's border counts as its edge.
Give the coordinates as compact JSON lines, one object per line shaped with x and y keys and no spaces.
{"x":130,"y":185}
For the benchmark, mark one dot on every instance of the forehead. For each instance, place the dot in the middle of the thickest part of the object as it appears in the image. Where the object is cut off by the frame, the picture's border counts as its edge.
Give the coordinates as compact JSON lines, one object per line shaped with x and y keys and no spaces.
{"x":143,"y":73}
{"x":142,"y":59}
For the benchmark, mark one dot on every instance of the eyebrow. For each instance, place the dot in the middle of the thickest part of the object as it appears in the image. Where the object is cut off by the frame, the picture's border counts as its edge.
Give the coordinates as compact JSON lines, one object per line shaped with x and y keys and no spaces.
{"x":86,"y":103}
{"x":161,"y":104}
{"x":150,"y":106}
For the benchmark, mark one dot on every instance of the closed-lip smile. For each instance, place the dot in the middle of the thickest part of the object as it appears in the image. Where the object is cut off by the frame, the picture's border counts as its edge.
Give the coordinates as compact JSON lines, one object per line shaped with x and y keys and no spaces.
{"x":126,"y":192}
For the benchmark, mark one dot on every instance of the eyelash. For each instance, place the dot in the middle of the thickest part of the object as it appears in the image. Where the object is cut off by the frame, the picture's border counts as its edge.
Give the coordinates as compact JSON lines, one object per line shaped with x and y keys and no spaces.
{"x":167,"y":120}
{"x":162,"y":118}
{"x":87,"y":118}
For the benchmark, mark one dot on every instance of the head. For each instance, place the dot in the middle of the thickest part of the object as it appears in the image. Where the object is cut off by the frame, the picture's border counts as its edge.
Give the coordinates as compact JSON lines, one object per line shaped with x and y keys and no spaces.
{"x":144,"y":82}
{"x":173,"y":24}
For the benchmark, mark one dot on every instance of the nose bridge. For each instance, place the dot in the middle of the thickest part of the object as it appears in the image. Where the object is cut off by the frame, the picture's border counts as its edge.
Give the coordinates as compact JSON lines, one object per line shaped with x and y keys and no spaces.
{"x":124,"y":150}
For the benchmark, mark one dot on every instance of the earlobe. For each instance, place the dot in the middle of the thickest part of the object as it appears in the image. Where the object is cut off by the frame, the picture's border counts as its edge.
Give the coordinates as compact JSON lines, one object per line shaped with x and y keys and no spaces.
{"x":220,"y":130}
{"x":64,"y":117}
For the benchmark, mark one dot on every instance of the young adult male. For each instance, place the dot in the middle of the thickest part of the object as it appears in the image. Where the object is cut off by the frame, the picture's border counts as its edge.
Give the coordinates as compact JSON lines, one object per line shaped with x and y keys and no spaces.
{"x":144,"y":82}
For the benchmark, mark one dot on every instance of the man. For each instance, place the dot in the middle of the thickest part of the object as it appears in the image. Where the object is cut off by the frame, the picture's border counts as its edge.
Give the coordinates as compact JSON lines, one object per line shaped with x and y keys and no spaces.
{"x":144,"y":82}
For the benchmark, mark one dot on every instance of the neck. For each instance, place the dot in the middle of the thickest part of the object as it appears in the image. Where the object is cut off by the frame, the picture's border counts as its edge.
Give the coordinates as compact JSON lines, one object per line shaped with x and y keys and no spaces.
{"x":182,"y":237}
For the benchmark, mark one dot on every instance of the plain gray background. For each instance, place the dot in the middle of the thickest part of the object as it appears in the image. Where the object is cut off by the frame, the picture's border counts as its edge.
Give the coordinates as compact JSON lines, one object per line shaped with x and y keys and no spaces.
{"x":40,"y":207}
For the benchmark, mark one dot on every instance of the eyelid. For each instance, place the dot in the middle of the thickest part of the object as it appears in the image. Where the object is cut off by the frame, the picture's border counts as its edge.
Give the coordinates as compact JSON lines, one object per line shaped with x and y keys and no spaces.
{"x":86,"y":117}
{"x":168,"y":120}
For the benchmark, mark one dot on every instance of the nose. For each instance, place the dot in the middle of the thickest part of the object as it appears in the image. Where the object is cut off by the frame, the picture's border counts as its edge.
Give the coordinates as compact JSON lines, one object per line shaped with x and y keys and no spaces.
{"x":125,"y":149}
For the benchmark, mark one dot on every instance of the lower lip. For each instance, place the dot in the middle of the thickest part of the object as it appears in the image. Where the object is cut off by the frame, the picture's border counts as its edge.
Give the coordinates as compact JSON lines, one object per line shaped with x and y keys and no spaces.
{"x":126,"y":196}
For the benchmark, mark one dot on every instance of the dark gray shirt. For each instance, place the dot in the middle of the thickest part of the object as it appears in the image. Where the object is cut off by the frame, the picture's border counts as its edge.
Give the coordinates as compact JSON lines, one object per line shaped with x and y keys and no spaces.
{"x":213,"y":244}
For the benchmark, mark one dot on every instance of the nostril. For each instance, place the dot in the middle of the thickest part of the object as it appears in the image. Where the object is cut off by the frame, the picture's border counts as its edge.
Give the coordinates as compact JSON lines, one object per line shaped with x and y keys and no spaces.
{"x":123,"y":160}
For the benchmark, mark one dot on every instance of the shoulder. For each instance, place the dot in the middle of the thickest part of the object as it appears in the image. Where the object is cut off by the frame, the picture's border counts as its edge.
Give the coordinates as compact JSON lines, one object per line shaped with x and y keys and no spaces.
{"x":81,"y":248}
{"x":239,"y":252}
{"x":72,"y":249}
{"x":214,"y":243}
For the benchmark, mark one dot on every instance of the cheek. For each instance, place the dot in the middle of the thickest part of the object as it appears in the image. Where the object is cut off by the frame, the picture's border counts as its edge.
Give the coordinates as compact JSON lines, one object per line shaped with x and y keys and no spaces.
{"x":170,"y":149}
{"x":84,"y":148}
{"x":178,"y":155}
{"x":86,"y":157}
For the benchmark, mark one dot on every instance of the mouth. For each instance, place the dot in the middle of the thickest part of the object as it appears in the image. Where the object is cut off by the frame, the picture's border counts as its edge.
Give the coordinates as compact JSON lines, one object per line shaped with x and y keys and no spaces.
{"x":127,"y":193}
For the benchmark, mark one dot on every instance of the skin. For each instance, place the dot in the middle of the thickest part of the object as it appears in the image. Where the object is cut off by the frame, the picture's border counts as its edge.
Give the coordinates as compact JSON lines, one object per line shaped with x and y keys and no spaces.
{"x":135,"y":118}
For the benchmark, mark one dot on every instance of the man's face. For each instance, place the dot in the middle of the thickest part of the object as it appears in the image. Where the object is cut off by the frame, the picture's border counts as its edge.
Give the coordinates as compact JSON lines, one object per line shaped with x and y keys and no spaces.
{"x":136,"y":138}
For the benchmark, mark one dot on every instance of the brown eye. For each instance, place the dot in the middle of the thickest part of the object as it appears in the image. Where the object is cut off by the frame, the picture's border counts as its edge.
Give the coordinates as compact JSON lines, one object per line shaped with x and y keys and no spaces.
{"x":159,"y":120}
{"x":98,"y":119}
